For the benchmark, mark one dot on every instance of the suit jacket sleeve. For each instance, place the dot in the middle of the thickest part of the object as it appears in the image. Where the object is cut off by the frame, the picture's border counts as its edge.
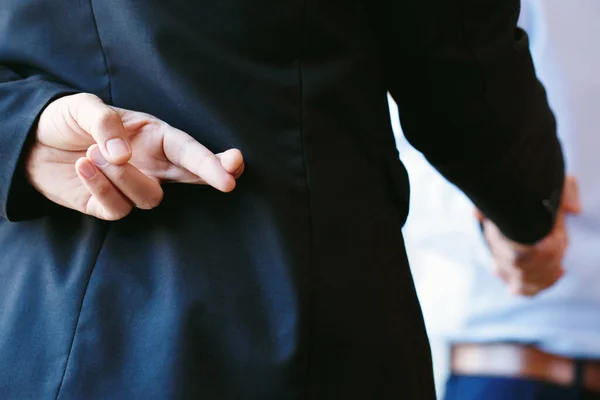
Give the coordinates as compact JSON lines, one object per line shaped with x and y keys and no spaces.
{"x":469,"y":100}
{"x":22,"y":99}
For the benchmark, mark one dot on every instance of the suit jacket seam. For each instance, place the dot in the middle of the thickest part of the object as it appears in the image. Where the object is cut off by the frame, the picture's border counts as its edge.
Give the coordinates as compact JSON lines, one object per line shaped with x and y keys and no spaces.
{"x":103,"y":52}
{"x":77,"y":320}
{"x":310,"y":280}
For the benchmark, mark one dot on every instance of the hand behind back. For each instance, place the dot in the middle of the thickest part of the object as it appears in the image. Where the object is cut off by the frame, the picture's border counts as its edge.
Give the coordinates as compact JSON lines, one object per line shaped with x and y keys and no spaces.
{"x":104,"y":161}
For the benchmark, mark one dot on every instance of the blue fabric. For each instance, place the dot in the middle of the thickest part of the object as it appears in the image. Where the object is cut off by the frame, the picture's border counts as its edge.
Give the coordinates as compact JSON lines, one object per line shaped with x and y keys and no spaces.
{"x":460,"y":387}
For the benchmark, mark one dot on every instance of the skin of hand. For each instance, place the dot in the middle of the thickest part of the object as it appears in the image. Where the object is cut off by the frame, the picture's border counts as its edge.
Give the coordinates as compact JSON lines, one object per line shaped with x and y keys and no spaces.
{"x":104,"y":161}
{"x":527,"y":270}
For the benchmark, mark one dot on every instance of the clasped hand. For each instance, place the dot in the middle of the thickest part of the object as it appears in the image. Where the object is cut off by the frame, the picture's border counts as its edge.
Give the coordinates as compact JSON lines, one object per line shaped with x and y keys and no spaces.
{"x":527,"y":270}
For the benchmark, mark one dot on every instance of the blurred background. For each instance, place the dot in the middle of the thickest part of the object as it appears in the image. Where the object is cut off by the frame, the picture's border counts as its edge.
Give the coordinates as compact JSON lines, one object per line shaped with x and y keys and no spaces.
{"x":545,"y":346}
{"x":440,"y":270}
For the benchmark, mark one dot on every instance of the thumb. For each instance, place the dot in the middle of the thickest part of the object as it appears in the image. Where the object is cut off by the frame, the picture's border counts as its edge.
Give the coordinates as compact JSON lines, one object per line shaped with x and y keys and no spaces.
{"x":570,"y":201}
{"x":104,"y":125}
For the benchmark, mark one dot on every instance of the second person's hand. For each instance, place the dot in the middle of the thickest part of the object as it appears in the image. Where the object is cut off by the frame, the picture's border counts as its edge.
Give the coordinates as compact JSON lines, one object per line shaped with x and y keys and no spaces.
{"x":527,"y":270}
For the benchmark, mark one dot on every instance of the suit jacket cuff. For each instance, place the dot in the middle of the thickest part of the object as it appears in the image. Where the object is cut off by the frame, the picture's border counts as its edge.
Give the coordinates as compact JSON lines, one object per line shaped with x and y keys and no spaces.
{"x":20,"y":107}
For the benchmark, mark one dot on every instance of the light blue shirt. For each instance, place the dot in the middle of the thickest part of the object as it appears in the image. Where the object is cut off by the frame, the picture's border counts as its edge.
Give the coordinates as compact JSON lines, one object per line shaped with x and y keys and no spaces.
{"x":461,"y":298}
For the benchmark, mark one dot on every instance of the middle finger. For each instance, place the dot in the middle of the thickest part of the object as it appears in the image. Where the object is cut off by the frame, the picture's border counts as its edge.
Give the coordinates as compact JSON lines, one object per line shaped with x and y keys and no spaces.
{"x":144,"y":192}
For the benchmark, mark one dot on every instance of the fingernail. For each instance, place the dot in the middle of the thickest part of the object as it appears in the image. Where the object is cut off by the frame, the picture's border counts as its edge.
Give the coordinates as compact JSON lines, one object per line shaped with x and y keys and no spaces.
{"x":239,"y":170}
{"x":97,"y":157}
{"x":87,"y":170}
{"x":117,"y":147}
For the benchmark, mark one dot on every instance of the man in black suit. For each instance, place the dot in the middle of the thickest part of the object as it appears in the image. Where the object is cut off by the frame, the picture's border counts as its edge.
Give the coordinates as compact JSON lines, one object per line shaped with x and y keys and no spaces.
{"x":295,"y":285}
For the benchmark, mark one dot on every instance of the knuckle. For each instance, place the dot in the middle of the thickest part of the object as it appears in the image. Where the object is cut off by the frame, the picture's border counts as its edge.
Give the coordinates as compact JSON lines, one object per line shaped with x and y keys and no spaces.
{"x":83,"y":203}
{"x":84,"y":97}
{"x":118,"y":174}
{"x":203,"y":160}
{"x":108,"y":216}
{"x":157,"y":199}
{"x":518,"y":271}
{"x":117,"y":214}
{"x":103,"y":190}
{"x":106,"y":119}
{"x":524,"y":278}
{"x":504,"y":272}
{"x":183,"y":151}
{"x":499,"y":271}
{"x":561,"y":240}
{"x":517,"y":288}
{"x":554,"y":254}
{"x":557,"y":254}
{"x":521,"y":264}
{"x":152,"y":201}
{"x":529,"y":289}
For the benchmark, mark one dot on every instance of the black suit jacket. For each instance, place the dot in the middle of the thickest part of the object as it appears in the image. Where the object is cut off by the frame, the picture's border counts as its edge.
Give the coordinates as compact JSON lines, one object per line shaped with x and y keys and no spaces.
{"x":296,"y":285}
